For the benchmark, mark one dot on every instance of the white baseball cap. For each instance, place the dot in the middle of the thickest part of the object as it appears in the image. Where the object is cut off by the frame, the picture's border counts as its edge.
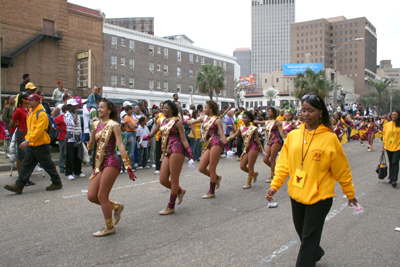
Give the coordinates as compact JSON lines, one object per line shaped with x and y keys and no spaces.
{"x":126,"y":103}
{"x":72,"y":102}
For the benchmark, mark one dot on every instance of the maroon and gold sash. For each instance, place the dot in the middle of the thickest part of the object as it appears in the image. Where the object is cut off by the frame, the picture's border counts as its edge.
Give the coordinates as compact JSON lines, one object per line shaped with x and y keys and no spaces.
{"x":165,"y":130}
{"x":268,"y":128}
{"x":247,"y":137}
{"x":207,"y":126}
{"x":286,"y":126}
{"x":101,"y":138}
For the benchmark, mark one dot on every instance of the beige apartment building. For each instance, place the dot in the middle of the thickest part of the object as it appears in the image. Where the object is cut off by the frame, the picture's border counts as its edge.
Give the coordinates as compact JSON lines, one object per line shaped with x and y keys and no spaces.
{"x":315,"y":42}
{"x":386,"y":70}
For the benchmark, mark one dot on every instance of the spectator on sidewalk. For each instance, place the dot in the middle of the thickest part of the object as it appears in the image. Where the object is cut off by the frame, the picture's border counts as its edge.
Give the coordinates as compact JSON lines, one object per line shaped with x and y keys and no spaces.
{"x":91,"y":101}
{"x":26,"y":79}
{"x":37,"y":148}
{"x":8,"y":112}
{"x":141,"y":131}
{"x":125,"y":142}
{"x":62,"y":131}
{"x":58,"y":109}
{"x":73,"y":139}
{"x":58,"y":93}
{"x":86,"y":122}
{"x":131,"y":127}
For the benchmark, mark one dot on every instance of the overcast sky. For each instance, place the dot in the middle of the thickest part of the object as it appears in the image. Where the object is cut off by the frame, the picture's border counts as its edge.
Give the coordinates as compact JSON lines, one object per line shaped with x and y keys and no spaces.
{"x":223,"y":25}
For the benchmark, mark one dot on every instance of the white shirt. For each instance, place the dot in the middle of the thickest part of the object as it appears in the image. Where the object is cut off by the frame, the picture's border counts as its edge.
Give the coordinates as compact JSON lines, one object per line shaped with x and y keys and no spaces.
{"x":72,"y":128}
{"x":142,"y":131}
{"x":85,"y":113}
{"x":121,"y":115}
{"x":354,"y":107}
{"x":60,"y":107}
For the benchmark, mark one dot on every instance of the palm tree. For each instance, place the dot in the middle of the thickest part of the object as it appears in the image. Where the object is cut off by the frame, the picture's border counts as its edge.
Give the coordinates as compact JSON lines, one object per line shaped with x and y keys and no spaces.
{"x":380,"y":87}
{"x":311,"y":82}
{"x":210,"y":78}
{"x":271,"y":94}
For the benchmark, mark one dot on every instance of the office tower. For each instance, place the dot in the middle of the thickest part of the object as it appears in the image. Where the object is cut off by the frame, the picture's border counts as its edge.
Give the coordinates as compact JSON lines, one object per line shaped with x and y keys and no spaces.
{"x":243,"y":56}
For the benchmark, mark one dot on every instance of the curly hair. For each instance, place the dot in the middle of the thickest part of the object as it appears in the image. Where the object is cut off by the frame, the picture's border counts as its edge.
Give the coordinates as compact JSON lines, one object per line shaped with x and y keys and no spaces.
{"x":213,"y":106}
{"x":273,"y":111}
{"x":173,"y":106}
{"x":113,"y":109}
{"x":250,"y":115}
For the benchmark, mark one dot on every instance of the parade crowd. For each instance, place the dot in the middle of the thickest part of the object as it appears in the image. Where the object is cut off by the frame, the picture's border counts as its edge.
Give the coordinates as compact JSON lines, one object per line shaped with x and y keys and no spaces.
{"x":135,"y":137}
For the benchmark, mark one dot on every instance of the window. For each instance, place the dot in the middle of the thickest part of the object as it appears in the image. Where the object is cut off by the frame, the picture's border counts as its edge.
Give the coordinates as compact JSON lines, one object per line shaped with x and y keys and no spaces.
{"x":215,"y":62}
{"x":151,"y":49}
{"x":165,"y":52}
{"x":113,"y":80}
{"x":114,"y":41}
{"x":178,"y":87}
{"x":277,"y":80}
{"x":266,"y":81}
{"x":224,"y":65}
{"x":159,"y":85}
{"x":178,"y":72}
{"x":113,"y":62}
{"x":298,"y":48}
{"x":122,"y":61}
{"x":122,"y":41}
{"x":131,"y":64}
{"x":191,"y":58}
{"x":165,"y":70}
{"x":158,"y":66}
{"x":131,"y":82}
{"x":197,"y":58}
{"x":179,"y":55}
{"x":355,"y":60}
{"x":165,"y":86}
{"x":190,"y":74}
{"x":202,"y":60}
{"x":151,"y":67}
{"x":151,"y":84}
{"x":191,"y":89}
{"x":131,"y":45}
{"x":122,"y":80}
{"x":355,"y":66}
{"x":158,"y":50}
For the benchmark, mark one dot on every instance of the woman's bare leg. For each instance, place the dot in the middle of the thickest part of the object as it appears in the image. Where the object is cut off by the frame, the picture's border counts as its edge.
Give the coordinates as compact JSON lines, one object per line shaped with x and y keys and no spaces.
{"x":274,"y":153}
{"x":205,"y":158}
{"x":164,"y":173}
{"x":215,"y":155}
{"x":243,"y":163}
{"x":252,"y":158}
{"x":266,"y":158}
{"x":107,"y":180}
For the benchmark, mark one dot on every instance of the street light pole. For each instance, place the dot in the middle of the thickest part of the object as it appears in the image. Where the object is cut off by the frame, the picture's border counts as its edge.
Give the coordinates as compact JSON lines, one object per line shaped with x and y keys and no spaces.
{"x":335,"y":92}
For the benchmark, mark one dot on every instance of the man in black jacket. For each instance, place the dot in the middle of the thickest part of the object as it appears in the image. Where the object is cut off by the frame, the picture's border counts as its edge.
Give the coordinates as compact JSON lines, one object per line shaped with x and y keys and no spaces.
{"x":26,"y":79}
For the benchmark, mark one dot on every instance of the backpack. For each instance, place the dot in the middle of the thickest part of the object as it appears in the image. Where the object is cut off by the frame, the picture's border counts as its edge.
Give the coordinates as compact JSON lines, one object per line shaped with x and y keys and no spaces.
{"x":52,"y":129}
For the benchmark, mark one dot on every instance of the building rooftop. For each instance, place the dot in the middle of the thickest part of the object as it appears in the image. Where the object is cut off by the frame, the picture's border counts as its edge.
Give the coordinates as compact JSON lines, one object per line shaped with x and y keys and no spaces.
{"x":243,"y":49}
{"x":335,"y":19}
{"x":84,"y":11}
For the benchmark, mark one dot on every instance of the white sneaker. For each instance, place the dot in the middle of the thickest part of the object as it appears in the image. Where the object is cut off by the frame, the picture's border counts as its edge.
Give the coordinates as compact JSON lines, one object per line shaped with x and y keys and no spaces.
{"x":125,"y":171}
{"x":369,"y":150}
{"x":156,"y":172}
{"x":223,"y":156}
{"x":147,"y":167}
{"x":82,"y":175}
{"x":135,"y":165}
{"x":121,"y":171}
{"x":69,"y":177}
{"x":153,"y":166}
{"x":38,"y":169}
{"x":140,"y":168}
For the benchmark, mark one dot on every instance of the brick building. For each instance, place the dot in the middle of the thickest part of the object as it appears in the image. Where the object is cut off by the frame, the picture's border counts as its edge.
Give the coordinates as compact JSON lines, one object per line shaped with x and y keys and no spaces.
{"x":142,"y":66}
{"x":313,"y":40}
{"x":51,"y":40}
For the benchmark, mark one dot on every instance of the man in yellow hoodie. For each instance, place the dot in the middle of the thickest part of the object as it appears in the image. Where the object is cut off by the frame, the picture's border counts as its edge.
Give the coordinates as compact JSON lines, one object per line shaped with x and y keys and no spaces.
{"x":314,"y":160}
{"x":36,"y":148}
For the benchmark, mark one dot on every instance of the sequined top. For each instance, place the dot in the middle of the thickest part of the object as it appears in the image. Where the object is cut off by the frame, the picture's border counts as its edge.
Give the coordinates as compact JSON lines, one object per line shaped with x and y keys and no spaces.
{"x":253,"y":144}
{"x":216,"y":139}
{"x":174,"y":141}
{"x":110,"y":155}
{"x":287,"y":127}
{"x":272,"y":131}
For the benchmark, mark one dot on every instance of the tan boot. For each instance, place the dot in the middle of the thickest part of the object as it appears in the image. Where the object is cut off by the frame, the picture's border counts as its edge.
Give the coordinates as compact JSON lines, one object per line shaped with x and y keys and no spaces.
{"x":270,"y":178}
{"x":180,"y":196}
{"x":248,"y":184}
{"x":218,"y":181}
{"x":108,"y":230}
{"x":208,"y":195}
{"x":255,"y":177}
{"x":166,"y":211}
{"x":117,"y":208}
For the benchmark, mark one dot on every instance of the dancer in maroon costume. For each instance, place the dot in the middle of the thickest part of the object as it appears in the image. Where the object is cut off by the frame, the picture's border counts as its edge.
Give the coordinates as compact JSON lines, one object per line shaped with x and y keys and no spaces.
{"x":215,"y":140}
{"x":286,"y":126}
{"x":173,"y":147}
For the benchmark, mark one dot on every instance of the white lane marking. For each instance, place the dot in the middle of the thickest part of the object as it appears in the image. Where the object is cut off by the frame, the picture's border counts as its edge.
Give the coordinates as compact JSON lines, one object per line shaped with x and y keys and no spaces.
{"x":267,"y":260}
{"x":116,"y":188}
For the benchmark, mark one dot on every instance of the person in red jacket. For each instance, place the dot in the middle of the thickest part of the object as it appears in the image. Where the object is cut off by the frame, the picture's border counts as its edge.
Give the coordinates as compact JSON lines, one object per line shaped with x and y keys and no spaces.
{"x":62,"y":130}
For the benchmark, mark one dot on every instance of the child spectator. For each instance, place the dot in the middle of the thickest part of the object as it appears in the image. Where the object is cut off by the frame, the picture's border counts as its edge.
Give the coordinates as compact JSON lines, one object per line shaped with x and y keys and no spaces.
{"x":62,"y":130}
{"x":125,"y":142}
{"x":142,"y":145}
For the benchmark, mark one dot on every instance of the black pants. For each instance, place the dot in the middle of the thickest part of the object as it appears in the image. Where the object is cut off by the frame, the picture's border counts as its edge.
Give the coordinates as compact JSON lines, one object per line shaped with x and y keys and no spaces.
{"x":394,"y":158}
{"x":239,"y":145}
{"x":158,"y":155}
{"x":33,"y":155}
{"x":309,"y":221}
{"x":73,"y":164}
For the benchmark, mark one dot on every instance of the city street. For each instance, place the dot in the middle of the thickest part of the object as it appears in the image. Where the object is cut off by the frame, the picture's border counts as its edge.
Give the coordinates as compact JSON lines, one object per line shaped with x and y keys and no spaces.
{"x":40,"y":228}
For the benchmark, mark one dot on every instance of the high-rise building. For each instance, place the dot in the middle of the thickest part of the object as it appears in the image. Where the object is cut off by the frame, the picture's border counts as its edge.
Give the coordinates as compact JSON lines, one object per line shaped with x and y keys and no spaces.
{"x":145,"y":25}
{"x":315,"y":41}
{"x":270,"y":34}
{"x":386,"y":70}
{"x":243,"y":56}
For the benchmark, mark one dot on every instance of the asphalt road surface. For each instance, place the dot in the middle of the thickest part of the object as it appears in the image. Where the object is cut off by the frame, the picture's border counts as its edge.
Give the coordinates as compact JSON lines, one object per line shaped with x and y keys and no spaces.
{"x":236,"y":228}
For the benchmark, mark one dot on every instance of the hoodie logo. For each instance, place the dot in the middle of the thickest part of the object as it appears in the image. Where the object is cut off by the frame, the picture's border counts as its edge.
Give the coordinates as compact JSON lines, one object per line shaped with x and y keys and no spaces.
{"x":317,"y":154}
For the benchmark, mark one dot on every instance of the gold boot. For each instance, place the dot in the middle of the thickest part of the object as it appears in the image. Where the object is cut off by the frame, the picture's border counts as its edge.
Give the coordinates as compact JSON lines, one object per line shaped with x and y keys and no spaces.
{"x":108,"y":230}
{"x":270,"y":178}
{"x":117,"y":208}
{"x":255,"y":177}
{"x":248,"y":184}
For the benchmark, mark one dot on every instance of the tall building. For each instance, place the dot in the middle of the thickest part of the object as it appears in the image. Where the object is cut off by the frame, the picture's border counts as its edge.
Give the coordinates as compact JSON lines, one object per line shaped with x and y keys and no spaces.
{"x":243,"y":56}
{"x":270,"y":34}
{"x":64,"y":42}
{"x":386,"y":70}
{"x":145,"y":25}
{"x":315,"y":41}
{"x":143,"y":66}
